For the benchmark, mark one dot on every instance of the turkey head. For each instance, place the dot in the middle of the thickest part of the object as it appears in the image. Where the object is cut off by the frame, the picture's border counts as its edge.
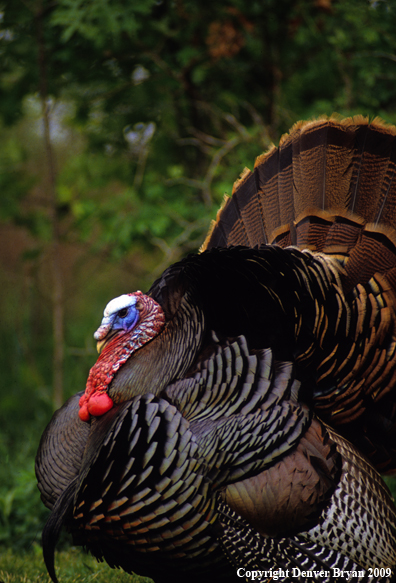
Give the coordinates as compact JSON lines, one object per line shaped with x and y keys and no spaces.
{"x":129,"y":322}
{"x":135,"y":325}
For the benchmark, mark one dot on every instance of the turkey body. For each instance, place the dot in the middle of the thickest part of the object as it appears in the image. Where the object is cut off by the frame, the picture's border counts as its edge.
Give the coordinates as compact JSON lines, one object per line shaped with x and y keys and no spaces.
{"x":240,"y":411}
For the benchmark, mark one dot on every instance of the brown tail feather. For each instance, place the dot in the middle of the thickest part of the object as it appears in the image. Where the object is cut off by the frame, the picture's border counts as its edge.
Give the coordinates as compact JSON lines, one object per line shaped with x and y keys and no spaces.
{"x":374,"y":146}
{"x":344,"y":167}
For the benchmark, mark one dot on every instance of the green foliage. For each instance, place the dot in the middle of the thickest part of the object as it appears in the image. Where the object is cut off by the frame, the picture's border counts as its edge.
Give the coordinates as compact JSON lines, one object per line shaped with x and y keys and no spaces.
{"x":351,"y":64}
{"x":111,"y":18}
{"x":22,"y":515}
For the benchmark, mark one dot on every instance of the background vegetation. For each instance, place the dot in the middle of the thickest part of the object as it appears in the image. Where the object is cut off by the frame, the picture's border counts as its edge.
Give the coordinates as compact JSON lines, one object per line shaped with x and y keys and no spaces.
{"x":122,"y":125}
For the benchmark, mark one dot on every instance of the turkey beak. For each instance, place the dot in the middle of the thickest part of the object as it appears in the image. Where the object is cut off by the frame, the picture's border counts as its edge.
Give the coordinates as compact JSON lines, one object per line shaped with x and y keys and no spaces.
{"x":100,"y":344}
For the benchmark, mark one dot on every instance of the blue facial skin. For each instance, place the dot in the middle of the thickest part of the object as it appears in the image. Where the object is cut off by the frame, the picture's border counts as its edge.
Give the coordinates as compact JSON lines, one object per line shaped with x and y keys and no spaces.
{"x":126,"y":319}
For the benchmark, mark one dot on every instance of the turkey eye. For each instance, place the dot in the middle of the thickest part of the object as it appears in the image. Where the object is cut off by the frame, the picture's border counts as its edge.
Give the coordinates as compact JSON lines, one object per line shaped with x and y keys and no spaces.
{"x":122,"y":313}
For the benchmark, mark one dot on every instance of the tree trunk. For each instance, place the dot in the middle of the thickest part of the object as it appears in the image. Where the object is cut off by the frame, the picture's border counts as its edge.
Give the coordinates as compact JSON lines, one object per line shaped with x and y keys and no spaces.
{"x":57,"y":279}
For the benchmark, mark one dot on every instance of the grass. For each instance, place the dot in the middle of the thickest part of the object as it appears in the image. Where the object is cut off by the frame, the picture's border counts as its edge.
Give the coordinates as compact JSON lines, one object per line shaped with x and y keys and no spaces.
{"x":72,"y":566}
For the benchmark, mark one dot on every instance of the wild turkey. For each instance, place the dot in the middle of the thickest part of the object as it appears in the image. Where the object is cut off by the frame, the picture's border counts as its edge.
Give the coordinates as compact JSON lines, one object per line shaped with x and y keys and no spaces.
{"x":237,"y":414}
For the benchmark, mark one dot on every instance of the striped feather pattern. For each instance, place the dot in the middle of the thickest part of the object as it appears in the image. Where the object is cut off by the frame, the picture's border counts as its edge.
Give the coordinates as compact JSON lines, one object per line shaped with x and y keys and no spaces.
{"x":341,"y":166}
{"x":361,"y":509}
{"x":54,"y":473}
{"x":291,"y":559}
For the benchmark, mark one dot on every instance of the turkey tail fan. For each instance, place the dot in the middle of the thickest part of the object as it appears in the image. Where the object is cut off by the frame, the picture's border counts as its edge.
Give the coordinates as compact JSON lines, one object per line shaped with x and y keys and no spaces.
{"x":325,"y":181}
{"x":240,"y":220}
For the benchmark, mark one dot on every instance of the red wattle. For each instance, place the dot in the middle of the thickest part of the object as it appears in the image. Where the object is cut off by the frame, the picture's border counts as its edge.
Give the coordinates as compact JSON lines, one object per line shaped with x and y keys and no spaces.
{"x":83,"y":412}
{"x":99,"y":404}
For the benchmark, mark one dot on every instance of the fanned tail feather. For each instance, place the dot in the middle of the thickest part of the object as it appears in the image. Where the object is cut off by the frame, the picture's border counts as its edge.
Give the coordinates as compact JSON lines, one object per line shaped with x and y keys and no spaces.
{"x":342,"y":167}
{"x":330,"y":187}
